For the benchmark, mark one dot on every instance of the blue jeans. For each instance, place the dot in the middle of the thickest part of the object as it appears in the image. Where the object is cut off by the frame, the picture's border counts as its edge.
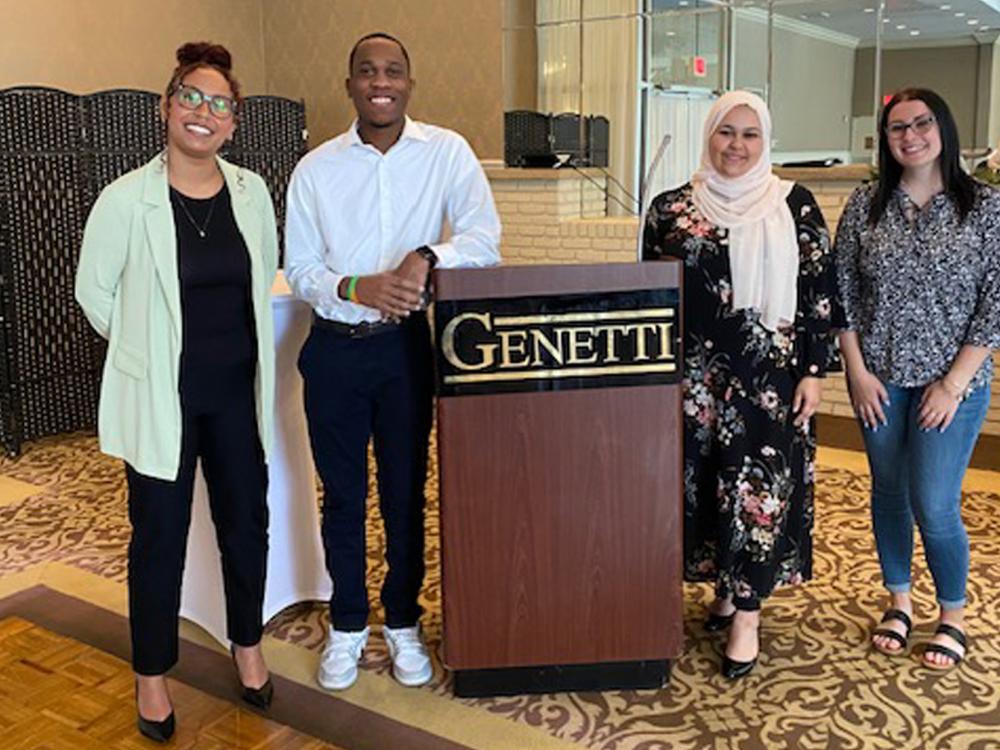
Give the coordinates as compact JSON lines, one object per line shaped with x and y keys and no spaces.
{"x":917,"y":474}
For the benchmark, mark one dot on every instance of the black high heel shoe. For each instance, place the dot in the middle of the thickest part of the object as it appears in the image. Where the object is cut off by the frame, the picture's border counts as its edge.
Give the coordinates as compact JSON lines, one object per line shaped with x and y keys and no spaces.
{"x":734,"y":670}
{"x":714,"y":622}
{"x":157,"y":731}
{"x":257,"y":697}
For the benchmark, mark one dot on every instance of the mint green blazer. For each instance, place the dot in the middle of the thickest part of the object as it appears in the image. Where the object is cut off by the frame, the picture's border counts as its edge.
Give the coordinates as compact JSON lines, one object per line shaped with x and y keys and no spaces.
{"x":129,"y":289}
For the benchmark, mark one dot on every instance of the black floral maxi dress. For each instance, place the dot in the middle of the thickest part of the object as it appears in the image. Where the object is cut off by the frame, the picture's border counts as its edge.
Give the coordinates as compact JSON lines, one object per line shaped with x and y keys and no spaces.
{"x":748,"y":471}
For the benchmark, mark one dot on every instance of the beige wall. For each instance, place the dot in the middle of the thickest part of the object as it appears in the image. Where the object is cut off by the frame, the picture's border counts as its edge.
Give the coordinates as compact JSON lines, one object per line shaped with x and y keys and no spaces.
{"x":520,"y":55}
{"x":454,"y":46}
{"x":89,"y":45}
{"x":993,"y":131}
{"x":950,"y":71}
{"x":811,"y":85}
{"x":984,"y":84}
{"x":293,"y":48}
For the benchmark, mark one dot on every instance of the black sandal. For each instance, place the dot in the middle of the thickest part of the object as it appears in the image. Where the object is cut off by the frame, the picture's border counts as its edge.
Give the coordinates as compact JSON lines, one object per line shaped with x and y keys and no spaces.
{"x":936,"y":648}
{"x":900,"y":638}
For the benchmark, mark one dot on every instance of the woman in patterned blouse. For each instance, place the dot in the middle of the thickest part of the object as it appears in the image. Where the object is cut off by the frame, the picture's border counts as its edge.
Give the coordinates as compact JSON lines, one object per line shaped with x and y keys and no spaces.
{"x":759,"y":304}
{"x":918,"y":261}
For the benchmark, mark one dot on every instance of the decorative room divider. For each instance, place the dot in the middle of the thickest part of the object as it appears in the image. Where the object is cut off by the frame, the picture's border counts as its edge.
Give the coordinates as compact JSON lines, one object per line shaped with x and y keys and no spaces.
{"x":57,"y":151}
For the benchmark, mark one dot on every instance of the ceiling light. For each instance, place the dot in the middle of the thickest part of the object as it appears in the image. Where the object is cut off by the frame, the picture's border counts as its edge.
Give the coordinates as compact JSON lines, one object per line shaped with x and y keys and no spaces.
{"x":960,"y":14}
{"x":972,"y":21}
{"x":945,"y":7}
{"x":824,"y":14}
{"x":914,"y":32}
{"x":900,"y":26}
{"x":869,"y":10}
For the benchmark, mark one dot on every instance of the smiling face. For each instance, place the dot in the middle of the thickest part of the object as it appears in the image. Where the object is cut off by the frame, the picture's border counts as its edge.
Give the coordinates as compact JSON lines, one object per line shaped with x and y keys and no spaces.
{"x":380,"y":83}
{"x":910,"y":148}
{"x":197,"y":132}
{"x":736,"y":145}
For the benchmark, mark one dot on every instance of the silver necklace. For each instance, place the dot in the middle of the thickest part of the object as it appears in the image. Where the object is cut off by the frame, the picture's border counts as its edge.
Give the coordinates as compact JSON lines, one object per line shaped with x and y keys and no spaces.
{"x":203,"y":229}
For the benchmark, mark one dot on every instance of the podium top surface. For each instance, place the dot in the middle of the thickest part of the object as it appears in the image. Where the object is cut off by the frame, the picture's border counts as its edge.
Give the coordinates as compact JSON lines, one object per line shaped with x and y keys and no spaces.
{"x":519,"y":281}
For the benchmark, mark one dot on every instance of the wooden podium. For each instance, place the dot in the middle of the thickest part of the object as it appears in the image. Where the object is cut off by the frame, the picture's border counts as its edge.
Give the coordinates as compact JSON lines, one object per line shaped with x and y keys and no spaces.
{"x":559,"y":431}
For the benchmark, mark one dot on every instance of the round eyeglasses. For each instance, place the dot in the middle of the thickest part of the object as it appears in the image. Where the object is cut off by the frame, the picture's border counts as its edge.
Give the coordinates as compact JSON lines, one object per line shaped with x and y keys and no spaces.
{"x":189,"y":97}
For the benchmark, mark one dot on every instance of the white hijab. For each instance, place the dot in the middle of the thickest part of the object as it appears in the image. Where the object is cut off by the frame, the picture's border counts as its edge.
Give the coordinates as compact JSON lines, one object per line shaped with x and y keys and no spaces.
{"x":763,"y":242}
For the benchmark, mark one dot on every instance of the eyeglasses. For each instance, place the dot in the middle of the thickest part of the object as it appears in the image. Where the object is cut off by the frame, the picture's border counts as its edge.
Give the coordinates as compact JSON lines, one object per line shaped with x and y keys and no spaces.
{"x":921,"y":126}
{"x":221,"y":107}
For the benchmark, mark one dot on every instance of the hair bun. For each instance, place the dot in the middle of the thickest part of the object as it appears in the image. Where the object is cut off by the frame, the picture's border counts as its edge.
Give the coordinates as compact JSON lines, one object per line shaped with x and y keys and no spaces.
{"x":205,"y":52}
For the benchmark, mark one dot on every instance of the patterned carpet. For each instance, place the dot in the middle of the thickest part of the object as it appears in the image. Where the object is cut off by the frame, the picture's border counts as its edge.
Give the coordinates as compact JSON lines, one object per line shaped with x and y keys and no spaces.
{"x":818,"y":684}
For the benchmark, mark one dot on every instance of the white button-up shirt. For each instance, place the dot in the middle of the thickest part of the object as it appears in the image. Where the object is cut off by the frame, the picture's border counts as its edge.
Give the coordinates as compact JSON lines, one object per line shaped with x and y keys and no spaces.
{"x":354,"y":210}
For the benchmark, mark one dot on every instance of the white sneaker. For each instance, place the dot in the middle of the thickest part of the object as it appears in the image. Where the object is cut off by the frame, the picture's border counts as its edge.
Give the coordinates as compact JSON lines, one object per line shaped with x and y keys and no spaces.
{"x":338,"y":666}
{"x":411,"y":666}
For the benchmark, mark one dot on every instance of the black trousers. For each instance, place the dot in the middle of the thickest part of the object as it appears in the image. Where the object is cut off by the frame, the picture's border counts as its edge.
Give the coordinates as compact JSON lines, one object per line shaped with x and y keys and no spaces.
{"x":355,"y":389}
{"x":220,"y":428}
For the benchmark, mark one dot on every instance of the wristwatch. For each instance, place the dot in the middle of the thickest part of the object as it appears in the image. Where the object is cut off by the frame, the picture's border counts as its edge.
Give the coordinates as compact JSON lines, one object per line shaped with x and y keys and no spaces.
{"x":427,"y":254}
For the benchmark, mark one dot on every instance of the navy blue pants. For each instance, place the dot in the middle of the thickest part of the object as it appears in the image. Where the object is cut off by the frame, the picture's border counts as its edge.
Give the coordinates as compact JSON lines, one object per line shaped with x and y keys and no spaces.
{"x":219,"y":427}
{"x":380,"y":387}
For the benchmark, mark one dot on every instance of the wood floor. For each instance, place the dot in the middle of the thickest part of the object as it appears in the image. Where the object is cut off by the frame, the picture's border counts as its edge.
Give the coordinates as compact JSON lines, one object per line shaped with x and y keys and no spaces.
{"x":59,"y":694}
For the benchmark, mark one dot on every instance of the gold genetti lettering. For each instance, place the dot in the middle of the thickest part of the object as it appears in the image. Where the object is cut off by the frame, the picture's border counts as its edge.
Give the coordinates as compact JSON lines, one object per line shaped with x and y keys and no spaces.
{"x":535,"y":346}
{"x":448,"y":342}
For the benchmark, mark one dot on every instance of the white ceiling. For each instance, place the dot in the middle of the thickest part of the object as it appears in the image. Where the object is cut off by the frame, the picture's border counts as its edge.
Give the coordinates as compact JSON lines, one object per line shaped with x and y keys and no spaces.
{"x":903,"y":20}
{"x":921,"y":20}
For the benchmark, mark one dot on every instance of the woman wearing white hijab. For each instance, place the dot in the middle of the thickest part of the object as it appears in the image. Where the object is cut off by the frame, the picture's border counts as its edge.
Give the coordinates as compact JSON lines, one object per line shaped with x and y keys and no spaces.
{"x":759,"y":310}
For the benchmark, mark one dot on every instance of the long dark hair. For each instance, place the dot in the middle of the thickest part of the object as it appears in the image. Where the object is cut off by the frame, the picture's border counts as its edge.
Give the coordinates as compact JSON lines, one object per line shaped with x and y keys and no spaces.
{"x":959,"y":186}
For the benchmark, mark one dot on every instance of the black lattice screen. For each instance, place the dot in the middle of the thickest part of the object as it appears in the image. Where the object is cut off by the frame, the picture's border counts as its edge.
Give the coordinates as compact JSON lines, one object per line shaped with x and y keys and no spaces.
{"x":57,"y":151}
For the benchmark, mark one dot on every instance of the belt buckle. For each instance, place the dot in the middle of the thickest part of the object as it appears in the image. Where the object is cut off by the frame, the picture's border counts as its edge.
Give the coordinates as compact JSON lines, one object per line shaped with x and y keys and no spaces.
{"x":358,"y":330}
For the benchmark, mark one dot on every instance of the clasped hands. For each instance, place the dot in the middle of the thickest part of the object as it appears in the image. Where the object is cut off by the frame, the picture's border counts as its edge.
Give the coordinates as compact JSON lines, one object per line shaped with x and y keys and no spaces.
{"x":938,"y":402}
{"x":397,"y":292}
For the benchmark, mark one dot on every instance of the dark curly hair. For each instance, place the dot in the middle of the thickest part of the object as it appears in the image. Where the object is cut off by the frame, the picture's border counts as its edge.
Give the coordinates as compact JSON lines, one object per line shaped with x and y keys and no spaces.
{"x":194,"y":55}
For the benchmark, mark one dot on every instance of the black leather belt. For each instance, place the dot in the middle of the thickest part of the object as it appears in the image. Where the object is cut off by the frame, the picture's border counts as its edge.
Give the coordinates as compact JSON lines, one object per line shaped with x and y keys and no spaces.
{"x":356,"y":330}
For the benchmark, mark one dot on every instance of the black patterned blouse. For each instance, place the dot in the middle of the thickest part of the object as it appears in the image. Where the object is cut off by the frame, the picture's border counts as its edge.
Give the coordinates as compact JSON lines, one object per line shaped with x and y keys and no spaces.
{"x":920,"y":285}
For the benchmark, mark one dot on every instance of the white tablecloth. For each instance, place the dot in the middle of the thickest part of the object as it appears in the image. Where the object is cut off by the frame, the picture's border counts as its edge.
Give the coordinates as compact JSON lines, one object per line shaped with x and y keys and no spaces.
{"x":295,"y":567}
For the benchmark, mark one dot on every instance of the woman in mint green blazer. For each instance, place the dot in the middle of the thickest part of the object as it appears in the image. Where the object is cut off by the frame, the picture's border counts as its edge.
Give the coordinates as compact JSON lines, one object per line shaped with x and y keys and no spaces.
{"x":175,"y":272}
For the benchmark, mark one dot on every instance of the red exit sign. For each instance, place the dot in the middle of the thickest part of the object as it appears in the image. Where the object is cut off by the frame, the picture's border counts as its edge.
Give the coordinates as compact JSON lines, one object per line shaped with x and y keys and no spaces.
{"x":699,"y":66}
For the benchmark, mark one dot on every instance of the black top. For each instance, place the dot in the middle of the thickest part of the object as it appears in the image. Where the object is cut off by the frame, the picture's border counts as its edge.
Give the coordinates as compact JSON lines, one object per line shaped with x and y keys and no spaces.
{"x":218,"y":335}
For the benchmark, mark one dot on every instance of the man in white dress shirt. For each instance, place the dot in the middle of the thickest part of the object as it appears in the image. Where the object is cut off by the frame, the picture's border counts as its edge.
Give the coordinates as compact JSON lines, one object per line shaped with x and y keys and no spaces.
{"x":366,"y":212}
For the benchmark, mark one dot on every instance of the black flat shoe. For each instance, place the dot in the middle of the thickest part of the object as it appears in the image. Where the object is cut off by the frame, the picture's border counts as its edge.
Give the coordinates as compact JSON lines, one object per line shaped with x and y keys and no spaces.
{"x":157,"y":731}
{"x":734,"y":670}
{"x":257,"y":697}
{"x":714,"y":623}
